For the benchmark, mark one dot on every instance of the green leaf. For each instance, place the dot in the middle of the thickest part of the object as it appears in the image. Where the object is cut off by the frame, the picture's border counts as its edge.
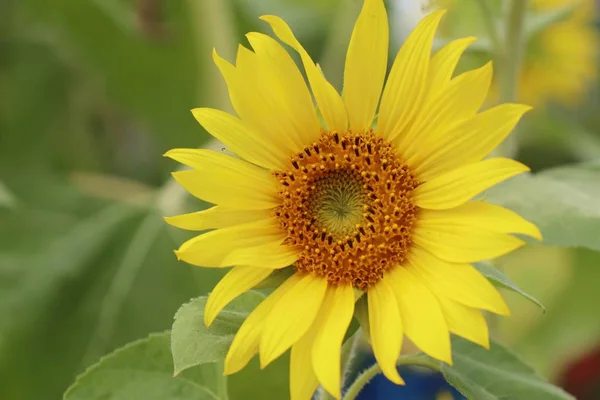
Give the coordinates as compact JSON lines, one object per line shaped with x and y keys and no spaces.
{"x":479,"y":374}
{"x":142,"y":370}
{"x":562,"y":202}
{"x":572,"y":326}
{"x":59,"y":253}
{"x":192,"y":343}
{"x":499,"y":279}
{"x":496,"y":374}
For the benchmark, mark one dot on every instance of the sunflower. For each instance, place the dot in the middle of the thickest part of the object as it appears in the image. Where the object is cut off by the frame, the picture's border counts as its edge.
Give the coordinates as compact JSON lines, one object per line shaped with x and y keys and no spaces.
{"x":354,"y":210}
{"x":560,"y":60}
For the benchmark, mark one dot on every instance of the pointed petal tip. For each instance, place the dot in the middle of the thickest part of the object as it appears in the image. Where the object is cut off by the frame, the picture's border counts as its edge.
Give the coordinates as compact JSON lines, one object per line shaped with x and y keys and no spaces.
{"x":501,"y":308}
{"x":227,"y":369}
{"x":448,"y":360}
{"x":486,"y":344}
{"x":435,"y":16}
{"x":168,"y":154}
{"x":169,"y":221}
{"x":337,"y":395}
{"x":394,"y":377}
{"x":264,"y":362}
{"x":440,"y":12}
{"x":177,"y":254}
{"x":268,"y":18}
{"x":209,"y":315}
{"x":267,"y":356}
{"x":230,"y":366}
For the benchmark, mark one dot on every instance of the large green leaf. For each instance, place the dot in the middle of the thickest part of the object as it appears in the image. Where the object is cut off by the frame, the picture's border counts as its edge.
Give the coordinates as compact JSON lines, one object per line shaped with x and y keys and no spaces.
{"x":498,"y":278}
{"x":194,"y":344}
{"x":496,"y":374}
{"x":572,"y":325}
{"x":479,"y":374}
{"x":78,"y":277}
{"x":562,"y":202}
{"x":142,"y":370}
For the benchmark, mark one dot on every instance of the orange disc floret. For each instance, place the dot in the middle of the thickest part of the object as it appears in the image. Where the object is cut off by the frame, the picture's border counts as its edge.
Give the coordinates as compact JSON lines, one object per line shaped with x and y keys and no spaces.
{"x":346,"y":204}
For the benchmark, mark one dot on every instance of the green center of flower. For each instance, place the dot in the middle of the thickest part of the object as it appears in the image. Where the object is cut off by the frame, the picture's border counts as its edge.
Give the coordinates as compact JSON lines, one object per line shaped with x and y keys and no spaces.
{"x":337,"y":202}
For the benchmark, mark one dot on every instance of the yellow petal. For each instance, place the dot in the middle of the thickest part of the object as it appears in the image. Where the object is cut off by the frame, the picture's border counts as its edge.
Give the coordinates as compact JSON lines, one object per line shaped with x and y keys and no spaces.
{"x":240,"y":138}
{"x":422,"y":317}
{"x":465,"y":322}
{"x":463,"y":243}
{"x":336,"y":314}
{"x":284,"y":80}
{"x":407,"y":82}
{"x":291,"y":317}
{"x":259,"y":107}
{"x":220,"y":179}
{"x":246,"y":341}
{"x":211,"y":248}
{"x":460,"y":100}
{"x":366,"y":64}
{"x":303,"y":381}
{"x":468,"y":142}
{"x":480,"y":215}
{"x":385,"y":329}
{"x":271,"y":255}
{"x":237,"y":281}
{"x":216,"y":217}
{"x":459,"y":282}
{"x":460,"y":185}
{"x":444,"y":62}
{"x":328,"y":99}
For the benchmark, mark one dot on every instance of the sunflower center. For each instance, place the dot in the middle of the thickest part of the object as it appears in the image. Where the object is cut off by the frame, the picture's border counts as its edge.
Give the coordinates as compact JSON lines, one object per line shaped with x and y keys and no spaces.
{"x":337,"y":202}
{"x":346,"y":204}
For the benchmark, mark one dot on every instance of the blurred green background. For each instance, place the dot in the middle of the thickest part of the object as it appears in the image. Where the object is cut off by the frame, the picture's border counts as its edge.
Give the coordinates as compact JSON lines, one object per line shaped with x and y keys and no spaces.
{"x":93,"y":92}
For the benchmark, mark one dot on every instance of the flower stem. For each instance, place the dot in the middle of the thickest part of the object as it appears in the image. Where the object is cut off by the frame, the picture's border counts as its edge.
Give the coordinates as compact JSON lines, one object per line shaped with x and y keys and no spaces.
{"x":213,"y":27}
{"x":375,"y":369}
{"x":513,"y":51}
{"x":508,"y":52}
{"x":491,"y":23}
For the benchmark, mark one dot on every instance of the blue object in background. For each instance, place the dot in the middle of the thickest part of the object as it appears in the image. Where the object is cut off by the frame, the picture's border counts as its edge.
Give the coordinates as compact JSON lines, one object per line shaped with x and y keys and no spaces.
{"x":421,"y":384}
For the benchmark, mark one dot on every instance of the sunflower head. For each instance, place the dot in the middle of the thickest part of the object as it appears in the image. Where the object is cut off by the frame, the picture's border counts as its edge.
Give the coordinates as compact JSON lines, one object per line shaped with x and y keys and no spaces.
{"x":350,"y":206}
{"x":346,"y":203}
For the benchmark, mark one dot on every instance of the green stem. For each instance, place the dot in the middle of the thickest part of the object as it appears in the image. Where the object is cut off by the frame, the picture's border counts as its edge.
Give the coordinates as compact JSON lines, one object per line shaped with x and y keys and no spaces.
{"x":214,"y":27}
{"x":222,"y":391}
{"x":508,"y":59}
{"x":491,"y":23}
{"x":513,"y":51}
{"x":375,"y":369}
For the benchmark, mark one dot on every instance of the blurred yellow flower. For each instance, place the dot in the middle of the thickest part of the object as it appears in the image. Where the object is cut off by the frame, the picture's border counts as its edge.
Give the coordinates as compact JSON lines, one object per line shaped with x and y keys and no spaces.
{"x":560,"y":61}
{"x":385,"y":211}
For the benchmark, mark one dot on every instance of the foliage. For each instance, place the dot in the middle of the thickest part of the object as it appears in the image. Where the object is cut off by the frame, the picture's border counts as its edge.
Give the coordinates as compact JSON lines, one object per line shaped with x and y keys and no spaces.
{"x":93,"y":92}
